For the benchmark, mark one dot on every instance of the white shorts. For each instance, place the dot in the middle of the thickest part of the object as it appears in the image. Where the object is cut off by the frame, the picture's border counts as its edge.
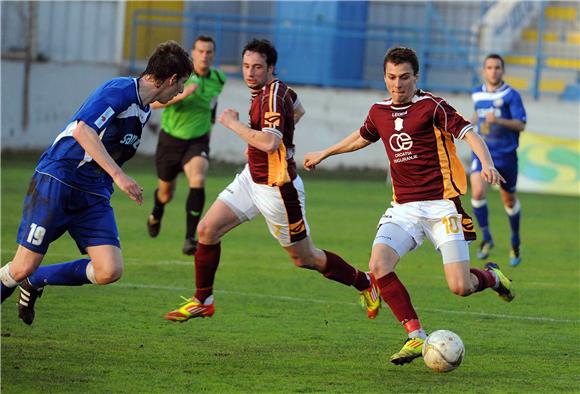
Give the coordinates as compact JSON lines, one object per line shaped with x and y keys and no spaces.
{"x":283,"y":207}
{"x":441,"y":220}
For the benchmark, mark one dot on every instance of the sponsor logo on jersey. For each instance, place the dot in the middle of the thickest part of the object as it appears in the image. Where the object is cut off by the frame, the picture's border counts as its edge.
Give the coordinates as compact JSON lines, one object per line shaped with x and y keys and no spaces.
{"x":272,"y":119}
{"x":481,"y":112}
{"x":104,"y":117}
{"x":400,"y":142}
{"x":131,"y":139}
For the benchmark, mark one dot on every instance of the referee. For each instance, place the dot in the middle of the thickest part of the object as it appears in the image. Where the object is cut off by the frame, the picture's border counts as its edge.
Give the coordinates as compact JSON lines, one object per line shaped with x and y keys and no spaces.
{"x":184,"y":140}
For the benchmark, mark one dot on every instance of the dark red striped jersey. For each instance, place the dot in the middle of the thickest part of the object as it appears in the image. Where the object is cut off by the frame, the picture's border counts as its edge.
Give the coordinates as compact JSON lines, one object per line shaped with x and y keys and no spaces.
{"x":272,"y":111}
{"x":418,"y":137}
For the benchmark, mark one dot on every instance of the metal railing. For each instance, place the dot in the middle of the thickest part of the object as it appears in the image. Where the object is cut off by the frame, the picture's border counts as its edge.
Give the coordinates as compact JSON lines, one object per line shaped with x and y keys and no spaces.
{"x":441,"y":49}
{"x":339,"y":54}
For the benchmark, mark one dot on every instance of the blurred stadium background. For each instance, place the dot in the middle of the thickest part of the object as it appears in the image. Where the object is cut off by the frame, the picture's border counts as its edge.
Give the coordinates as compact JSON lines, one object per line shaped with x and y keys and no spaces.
{"x":54,"y":53}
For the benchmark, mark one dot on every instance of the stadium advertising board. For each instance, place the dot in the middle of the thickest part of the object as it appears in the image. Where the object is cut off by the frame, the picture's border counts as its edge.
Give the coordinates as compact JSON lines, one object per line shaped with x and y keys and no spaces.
{"x":549,"y":165}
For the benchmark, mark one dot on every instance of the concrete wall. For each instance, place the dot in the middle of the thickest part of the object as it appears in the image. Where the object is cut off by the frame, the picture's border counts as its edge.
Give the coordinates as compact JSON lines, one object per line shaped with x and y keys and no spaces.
{"x":57,"y":90}
{"x":89,"y":31}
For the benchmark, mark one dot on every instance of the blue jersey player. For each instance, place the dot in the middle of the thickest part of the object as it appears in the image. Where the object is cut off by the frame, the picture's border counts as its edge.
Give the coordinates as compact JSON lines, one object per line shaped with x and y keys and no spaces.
{"x":500,"y":117}
{"x":73,"y":182}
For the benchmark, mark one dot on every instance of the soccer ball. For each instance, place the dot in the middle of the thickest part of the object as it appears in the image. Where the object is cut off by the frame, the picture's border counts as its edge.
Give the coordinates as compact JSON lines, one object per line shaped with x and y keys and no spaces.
{"x":443,"y":351}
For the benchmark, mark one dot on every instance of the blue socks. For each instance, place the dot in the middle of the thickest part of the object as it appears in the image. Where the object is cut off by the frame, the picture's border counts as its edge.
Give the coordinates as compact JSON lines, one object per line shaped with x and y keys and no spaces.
{"x":73,"y":273}
{"x":514,"y":219}
{"x":481,"y":214}
{"x":7,"y":291}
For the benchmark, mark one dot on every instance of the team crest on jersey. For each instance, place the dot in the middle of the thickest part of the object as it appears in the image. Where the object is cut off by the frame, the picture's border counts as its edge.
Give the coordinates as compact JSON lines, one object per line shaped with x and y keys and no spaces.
{"x":272,"y":119}
{"x":399,"y":124}
{"x":498,"y":102}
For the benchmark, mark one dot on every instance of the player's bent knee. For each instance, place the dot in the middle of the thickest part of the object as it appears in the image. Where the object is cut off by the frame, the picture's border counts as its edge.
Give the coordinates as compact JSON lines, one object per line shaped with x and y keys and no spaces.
{"x":165,"y":197}
{"x":305,"y":264}
{"x":21,"y":271}
{"x":380,"y":268}
{"x":461,"y":289}
{"x":307,"y":261}
{"x":197,"y":181}
{"x":478,"y":194}
{"x":207,"y":233}
{"x":104,"y":276}
{"x":308,"y":258}
{"x":383,"y":266}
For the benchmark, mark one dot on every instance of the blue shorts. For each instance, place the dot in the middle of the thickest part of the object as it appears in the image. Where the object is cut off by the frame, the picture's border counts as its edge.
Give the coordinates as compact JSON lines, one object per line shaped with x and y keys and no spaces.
{"x":51,"y":208}
{"x":507,"y":166}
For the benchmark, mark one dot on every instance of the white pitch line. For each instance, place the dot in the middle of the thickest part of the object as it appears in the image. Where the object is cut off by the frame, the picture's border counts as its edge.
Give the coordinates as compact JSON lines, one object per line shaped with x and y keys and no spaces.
{"x":315,"y":301}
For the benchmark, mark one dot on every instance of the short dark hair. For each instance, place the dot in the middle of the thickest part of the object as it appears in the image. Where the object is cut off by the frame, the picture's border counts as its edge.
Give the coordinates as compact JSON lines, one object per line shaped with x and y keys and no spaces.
{"x":263,"y":47}
{"x":168,"y":58}
{"x":495,"y":56}
{"x":400,"y":55}
{"x":204,"y":39}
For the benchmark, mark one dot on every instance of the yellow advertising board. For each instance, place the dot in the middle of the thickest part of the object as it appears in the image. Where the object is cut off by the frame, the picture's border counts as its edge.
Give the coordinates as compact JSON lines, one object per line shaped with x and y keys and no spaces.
{"x":154,"y":28}
{"x":549,"y":165}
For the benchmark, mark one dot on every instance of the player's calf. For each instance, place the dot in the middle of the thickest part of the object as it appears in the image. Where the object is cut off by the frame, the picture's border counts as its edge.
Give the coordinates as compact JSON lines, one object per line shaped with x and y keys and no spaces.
{"x":104,"y":276}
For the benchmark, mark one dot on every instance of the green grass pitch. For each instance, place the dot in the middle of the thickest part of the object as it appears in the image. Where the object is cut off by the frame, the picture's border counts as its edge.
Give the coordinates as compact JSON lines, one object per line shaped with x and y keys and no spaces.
{"x":281,"y":329}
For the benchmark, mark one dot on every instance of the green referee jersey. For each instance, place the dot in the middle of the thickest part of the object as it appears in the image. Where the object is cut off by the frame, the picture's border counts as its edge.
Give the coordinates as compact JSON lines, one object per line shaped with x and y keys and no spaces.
{"x":192,"y":116}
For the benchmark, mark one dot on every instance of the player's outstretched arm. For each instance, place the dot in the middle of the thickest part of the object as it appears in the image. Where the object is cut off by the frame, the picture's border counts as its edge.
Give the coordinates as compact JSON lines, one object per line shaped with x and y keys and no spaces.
{"x":351,"y":143}
{"x":266,"y":142}
{"x":88,"y":138}
{"x":478,"y":146}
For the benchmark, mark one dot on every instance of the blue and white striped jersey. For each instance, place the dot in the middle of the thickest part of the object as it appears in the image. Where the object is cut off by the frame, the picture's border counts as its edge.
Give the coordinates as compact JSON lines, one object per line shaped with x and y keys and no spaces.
{"x":505,"y":103}
{"x":115,"y":112}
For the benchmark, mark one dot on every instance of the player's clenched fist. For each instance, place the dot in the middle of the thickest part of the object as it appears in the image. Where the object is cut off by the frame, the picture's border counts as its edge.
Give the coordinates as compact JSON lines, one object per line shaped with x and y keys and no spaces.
{"x":311,"y":159}
{"x":228,"y":117}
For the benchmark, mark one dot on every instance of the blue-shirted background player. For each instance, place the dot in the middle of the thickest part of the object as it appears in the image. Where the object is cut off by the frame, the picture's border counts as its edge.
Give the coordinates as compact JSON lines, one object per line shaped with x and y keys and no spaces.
{"x":73,"y":182}
{"x":500,"y":118}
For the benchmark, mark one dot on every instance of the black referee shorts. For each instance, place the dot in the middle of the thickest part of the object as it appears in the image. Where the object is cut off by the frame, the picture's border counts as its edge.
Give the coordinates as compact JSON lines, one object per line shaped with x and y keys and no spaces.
{"x":173,"y":153}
